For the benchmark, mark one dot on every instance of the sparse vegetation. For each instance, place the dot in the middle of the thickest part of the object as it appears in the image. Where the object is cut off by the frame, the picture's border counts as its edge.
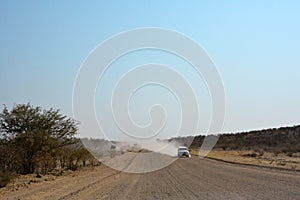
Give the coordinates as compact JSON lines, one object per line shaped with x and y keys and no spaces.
{"x":4,"y":178}
{"x":34,"y":140}
{"x":272,"y":147}
{"x":282,"y":140}
{"x":250,"y":155}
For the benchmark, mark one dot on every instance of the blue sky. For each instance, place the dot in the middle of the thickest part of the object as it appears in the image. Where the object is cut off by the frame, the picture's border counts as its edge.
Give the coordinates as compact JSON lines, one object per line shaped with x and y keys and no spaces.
{"x":254,"y":44}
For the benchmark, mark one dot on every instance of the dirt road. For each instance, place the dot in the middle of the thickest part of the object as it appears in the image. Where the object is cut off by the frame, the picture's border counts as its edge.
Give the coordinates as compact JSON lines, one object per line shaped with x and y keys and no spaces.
{"x":186,"y":178}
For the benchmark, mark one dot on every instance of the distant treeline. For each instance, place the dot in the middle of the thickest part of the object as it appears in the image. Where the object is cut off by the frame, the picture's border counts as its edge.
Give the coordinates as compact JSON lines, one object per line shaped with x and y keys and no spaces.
{"x":277,"y":140}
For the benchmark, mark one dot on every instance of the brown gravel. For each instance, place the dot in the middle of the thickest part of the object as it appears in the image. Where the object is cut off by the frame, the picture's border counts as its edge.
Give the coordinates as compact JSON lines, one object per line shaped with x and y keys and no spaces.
{"x":186,"y":178}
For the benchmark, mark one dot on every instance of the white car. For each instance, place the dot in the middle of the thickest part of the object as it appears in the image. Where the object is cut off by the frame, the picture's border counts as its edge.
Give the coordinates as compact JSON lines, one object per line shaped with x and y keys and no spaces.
{"x":183,"y":151}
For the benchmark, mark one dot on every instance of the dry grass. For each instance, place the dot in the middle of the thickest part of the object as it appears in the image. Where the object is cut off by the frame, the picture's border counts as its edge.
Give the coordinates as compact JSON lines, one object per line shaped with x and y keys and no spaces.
{"x":257,"y":158}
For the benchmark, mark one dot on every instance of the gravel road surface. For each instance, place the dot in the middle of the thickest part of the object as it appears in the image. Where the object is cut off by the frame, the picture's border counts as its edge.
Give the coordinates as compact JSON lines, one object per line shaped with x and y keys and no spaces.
{"x":186,"y":178}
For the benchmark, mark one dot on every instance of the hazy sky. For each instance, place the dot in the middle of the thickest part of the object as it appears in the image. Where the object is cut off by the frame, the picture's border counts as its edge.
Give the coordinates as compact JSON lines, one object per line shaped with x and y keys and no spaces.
{"x":254,"y":44}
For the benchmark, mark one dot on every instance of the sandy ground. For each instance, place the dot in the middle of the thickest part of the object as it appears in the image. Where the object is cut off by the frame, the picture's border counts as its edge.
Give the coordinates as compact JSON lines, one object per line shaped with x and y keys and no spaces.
{"x":266,"y":159}
{"x":186,"y":178}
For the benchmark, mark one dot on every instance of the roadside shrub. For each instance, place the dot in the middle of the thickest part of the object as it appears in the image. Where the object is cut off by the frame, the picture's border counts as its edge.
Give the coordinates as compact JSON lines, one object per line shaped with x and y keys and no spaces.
{"x":277,"y":152}
{"x":31,"y":137}
{"x":290,"y":154}
{"x":5,"y":178}
{"x":260,"y":152}
{"x":253,"y":155}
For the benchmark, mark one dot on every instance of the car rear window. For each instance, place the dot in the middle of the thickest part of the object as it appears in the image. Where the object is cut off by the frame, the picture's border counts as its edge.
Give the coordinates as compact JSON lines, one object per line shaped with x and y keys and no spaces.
{"x":182,"y":149}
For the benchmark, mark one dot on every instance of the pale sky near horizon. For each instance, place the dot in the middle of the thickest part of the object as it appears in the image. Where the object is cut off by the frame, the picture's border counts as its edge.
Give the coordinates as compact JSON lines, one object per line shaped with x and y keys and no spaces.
{"x":254,"y":45}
